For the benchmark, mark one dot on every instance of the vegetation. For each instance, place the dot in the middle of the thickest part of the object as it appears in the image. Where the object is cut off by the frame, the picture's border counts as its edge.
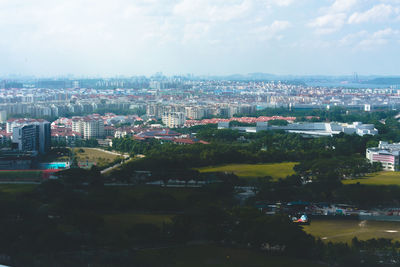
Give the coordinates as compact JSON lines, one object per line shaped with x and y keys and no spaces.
{"x":17,"y":188}
{"x":77,"y":220}
{"x":212,"y":255}
{"x":346,"y":230}
{"x":123,"y":221}
{"x":379,"y":178}
{"x":275,"y":170}
{"x":57,"y":153}
{"x":77,"y":213}
{"x":338,"y":114}
{"x":101,"y":158}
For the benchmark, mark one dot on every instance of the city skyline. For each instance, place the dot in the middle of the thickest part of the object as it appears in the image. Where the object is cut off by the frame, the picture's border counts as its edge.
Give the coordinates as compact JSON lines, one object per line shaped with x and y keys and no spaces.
{"x":48,"y":38}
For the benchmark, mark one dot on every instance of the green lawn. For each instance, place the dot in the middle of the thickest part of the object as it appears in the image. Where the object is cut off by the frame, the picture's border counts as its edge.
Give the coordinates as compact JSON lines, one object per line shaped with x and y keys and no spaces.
{"x":93,"y":155}
{"x":275,"y":170}
{"x":19,"y":175}
{"x":16,"y":188}
{"x":212,"y":255}
{"x":345,"y":230}
{"x":380,"y":178}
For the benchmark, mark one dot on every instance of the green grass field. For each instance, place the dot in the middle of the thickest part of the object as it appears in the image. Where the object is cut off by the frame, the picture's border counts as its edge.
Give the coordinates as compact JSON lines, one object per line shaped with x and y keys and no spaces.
{"x":19,"y":175}
{"x":123,"y":221}
{"x":16,"y":188}
{"x":212,"y":255}
{"x":275,"y":170}
{"x":380,"y":178}
{"x":345,"y":230}
{"x":94,"y":155}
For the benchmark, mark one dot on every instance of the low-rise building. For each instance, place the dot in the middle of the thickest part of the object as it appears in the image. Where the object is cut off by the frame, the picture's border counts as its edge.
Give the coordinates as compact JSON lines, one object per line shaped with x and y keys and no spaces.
{"x":386,"y":154}
{"x":310,"y":128}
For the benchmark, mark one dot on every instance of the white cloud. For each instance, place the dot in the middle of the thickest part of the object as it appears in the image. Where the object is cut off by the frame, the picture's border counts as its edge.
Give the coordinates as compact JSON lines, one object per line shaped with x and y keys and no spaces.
{"x":98,"y":33}
{"x":335,"y":17}
{"x":353,"y":38}
{"x":367,"y":41}
{"x":376,"y":13}
{"x":342,"y":5}
{"x":281,"y":2}
{"x":216,"y":10}
{"x":328,"y":23}
{"x":274,"y":30}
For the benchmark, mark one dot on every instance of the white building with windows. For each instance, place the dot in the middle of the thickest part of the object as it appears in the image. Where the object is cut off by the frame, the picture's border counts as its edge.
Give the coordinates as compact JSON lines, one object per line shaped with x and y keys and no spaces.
{"x":387,"y":154}
{"x":174,"y":119}
{"x":88,"y":127}
{"x":311,"y":128}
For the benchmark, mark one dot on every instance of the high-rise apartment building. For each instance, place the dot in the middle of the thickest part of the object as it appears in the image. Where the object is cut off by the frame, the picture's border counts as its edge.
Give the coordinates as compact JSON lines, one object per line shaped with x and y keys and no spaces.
{"x":30,"y":135}
{"x":174,"y":119}
{"x":88,"y":127}
{"x":3,"y":116}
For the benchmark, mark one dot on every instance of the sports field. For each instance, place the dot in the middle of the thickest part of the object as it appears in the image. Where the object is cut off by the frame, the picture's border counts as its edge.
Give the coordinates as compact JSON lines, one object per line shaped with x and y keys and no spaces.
{"x":379,"y":178}
{"x":345,"y":230}
{"x":275,"y":170}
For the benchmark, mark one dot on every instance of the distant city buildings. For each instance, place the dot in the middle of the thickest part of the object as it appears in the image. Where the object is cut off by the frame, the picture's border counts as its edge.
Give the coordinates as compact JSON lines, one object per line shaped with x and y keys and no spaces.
{"x":310,"y":128}
{"x":196,"y":98}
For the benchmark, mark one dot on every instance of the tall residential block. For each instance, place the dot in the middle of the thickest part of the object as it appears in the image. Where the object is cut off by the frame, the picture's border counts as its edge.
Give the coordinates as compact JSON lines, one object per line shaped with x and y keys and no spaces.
{"x":174,"y":119}
{"x":88,"y":127}
{"x":30,"y":135}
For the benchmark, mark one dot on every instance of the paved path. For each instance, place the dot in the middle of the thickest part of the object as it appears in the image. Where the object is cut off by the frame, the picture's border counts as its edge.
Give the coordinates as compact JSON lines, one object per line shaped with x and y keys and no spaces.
{"x":126,"y":156}
{"x":115,"y":166}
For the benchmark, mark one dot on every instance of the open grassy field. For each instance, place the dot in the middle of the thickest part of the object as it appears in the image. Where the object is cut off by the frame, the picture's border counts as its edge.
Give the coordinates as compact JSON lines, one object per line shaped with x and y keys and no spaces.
{"x":20,"y":175}
{"x":379,"y":178}
{"x":212,"y":255}
{"x":275,"y":170}
{"x":102,"y":158}
{"x":345,"y":230}
{"x":16,"y":188}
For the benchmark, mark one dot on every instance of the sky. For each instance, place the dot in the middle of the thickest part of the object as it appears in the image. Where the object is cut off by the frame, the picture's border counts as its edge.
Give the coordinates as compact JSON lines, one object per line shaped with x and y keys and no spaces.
{"x":215,"y":37}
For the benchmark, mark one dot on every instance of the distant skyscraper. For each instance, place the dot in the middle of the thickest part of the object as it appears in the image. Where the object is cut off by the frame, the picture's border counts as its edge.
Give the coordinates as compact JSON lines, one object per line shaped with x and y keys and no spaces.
{"x":355,"y":77}
{"x":75,"y":84}
{"x":3,"y":116}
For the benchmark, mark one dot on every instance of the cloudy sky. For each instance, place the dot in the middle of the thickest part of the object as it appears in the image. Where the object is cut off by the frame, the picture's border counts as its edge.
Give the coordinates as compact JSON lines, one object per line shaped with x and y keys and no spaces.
{"x":132,"y":37}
